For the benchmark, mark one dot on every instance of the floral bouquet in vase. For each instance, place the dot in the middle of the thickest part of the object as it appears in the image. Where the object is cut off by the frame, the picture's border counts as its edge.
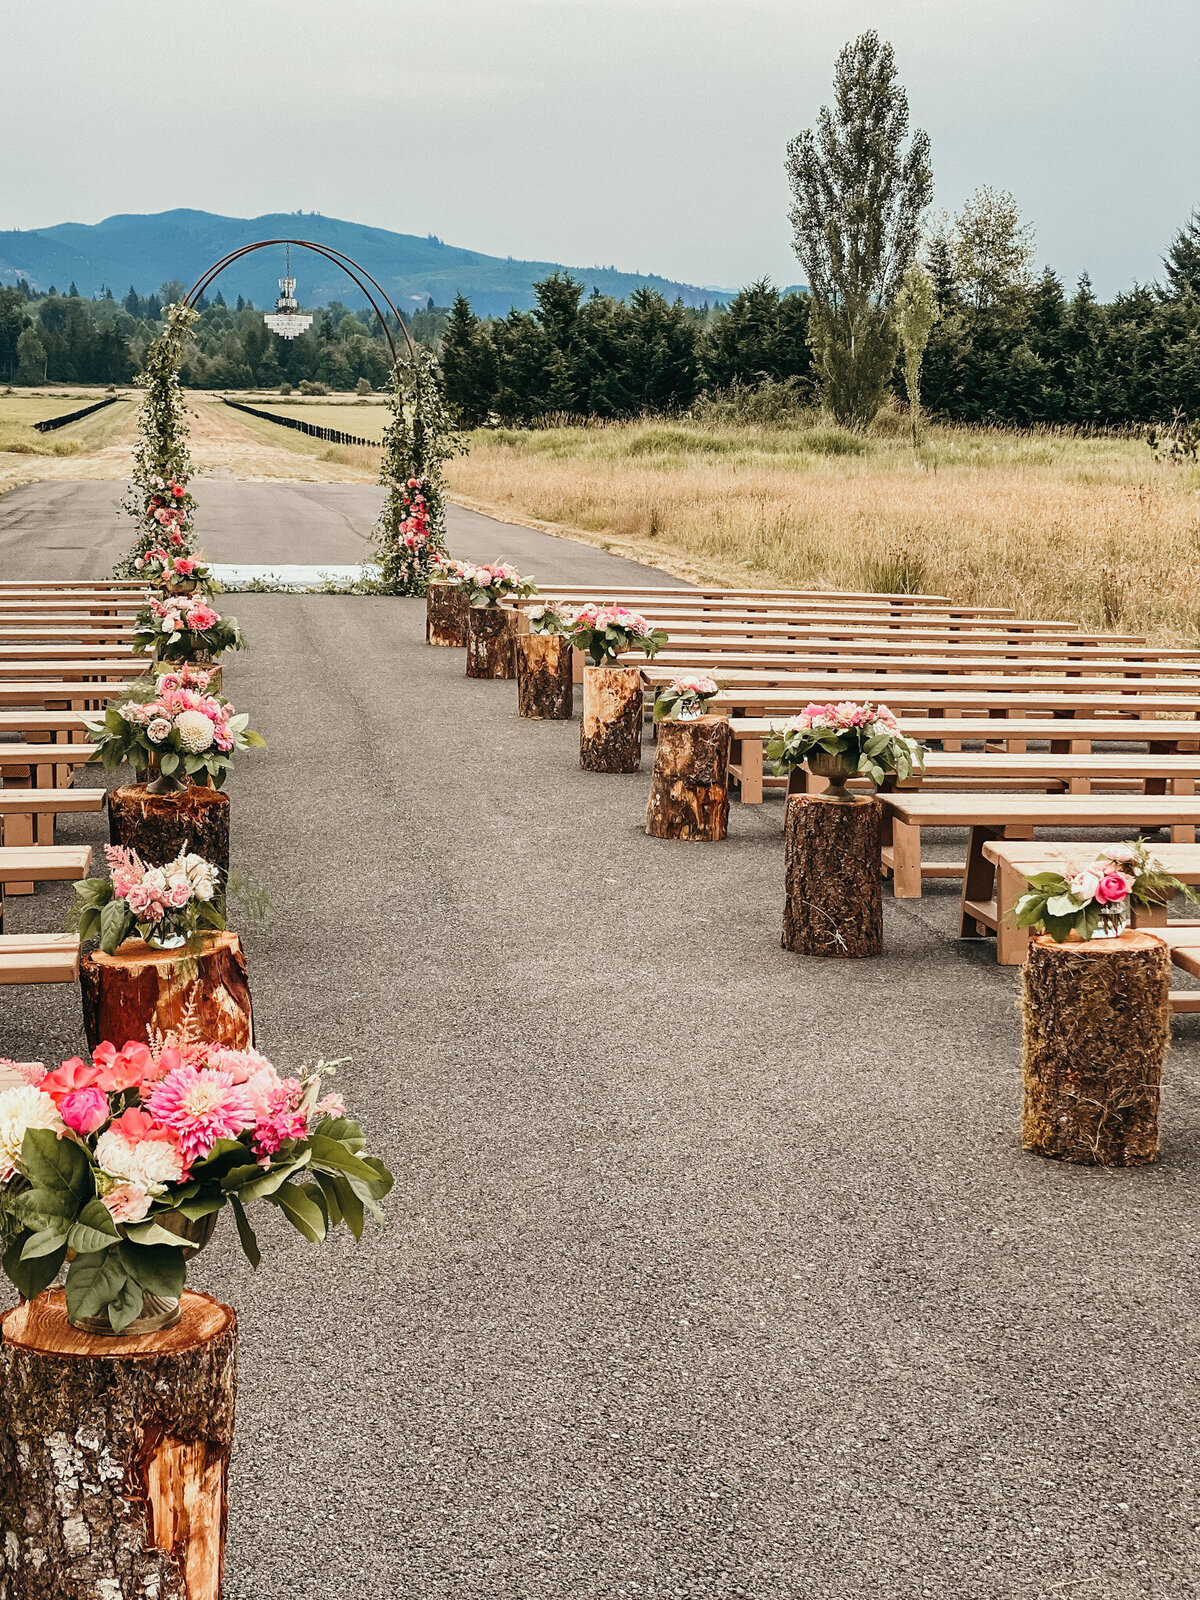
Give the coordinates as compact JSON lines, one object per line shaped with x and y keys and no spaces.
{"x":550,"y":618}
{"x":177,"y":575}
{"x":844,"y":741}
{"x":685,"y":699}
{"x":487,"y":586}
{"x":172,"y":732}
{"x":119,"y":1167}
{"x":182,"y":628}
{"x":605,"y":632}
{"x":168,"y":907}
{"x":1097,"y":900}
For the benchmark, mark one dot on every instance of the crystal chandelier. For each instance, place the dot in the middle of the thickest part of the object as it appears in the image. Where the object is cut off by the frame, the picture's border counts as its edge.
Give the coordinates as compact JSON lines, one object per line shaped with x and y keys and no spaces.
{"x":287,"y":320}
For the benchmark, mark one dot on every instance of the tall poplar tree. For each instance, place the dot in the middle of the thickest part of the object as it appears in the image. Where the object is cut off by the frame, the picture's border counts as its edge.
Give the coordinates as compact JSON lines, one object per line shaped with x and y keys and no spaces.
{"x":858,"y":198}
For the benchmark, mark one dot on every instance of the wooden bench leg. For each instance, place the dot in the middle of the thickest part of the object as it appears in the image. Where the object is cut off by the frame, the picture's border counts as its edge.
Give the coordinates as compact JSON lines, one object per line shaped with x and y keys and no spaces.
{"x":1012,"y":943}
{"x":906,"y":860}
{"x":752,"y":772}
{"x":978,"y":880}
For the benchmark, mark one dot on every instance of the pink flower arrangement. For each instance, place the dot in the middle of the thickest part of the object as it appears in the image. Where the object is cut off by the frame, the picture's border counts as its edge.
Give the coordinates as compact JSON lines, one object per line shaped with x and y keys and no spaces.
{"x":685,"y":699}
{"x":178,"y":728}
{"x":867,"y":740}
{"x":200,"y":1106}
{"x":489,"y":584}
{"x":180,"y":627}
{"x":169,"y":905}
{"x":605,"y":632}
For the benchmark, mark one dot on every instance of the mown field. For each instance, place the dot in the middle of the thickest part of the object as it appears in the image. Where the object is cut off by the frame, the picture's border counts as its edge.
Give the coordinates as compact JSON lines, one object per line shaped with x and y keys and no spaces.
{"x":20,"y":410}
{"x":1093,"y":530}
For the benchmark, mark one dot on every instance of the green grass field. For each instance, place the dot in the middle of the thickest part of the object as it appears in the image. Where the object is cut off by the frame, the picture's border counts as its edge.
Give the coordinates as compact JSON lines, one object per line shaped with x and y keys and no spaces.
{"x":367,"y":419}
{"x":20,"y":410}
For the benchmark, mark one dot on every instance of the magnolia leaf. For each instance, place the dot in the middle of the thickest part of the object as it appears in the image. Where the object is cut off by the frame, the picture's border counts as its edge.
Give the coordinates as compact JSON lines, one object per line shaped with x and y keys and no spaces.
{"x":302,"y":1210}
{"x":246,"y":1233}
{"x":32,"y":1276}
{"x":159,"y":1269}
{"x":92,"y":1282}
{"x":45,"y":1208}
{"x":126,"y":1307}
{"x":55,"y":1163}
{"x":94,"y":1230}
{"x":151,"y":1233}
{"x":116,"y":921}
{"x":332,"y":1155}
{"x":45,"y":1242}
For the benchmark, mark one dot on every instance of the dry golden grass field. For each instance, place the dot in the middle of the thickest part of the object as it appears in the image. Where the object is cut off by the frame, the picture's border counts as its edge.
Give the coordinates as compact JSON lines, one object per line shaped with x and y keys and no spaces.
{"x":1093,"y":530}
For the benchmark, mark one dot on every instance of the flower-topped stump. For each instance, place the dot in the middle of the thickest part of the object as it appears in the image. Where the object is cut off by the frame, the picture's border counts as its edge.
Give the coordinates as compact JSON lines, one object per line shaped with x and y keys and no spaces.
{"x":545,"y":665}
{"x":185,"y":628}
{"x":689,"y":790}
{"x":491,"y":625}
{"x":446,"y":607}
{"x":1099,"y":899}
{"x":1097,"y":1022}
{"x":686,"y":698}
{"x":610,"y":736}
{"x":175,"y":575}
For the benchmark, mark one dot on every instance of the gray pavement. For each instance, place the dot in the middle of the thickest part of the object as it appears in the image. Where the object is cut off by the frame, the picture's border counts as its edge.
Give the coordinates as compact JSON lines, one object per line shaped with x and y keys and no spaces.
{"x":710,"y":1270}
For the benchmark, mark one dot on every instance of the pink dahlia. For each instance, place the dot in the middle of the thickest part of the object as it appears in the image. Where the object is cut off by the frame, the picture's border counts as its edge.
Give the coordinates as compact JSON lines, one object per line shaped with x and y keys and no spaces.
{"x":201,"y":1106}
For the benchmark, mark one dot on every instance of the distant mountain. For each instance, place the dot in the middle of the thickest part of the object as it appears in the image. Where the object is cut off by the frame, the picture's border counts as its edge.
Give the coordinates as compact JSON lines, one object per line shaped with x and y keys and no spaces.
{"x":145,"y":251}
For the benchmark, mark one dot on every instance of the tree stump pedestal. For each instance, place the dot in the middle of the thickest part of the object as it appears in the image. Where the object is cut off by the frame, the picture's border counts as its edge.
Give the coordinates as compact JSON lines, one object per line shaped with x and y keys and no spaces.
{"x":159,"y":826}
{"x":834,"y":892}
{"x":689,"y":791}
{"x":545,"y":679}
{"x":114,"y":1455}
{"x":1097,"y":1025}
{"x":139,"y":990}
{"x":490,"y":633}
{"x":610,"y":736}
{"x":446,"y":612}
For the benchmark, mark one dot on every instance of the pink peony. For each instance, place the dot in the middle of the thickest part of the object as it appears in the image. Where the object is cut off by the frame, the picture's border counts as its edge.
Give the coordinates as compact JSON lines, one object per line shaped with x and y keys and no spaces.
{"x":1113,"y":886}
{"x":121,"y":1069}
{"x":202,"y":1106}
{"x":72,"y":1075}
{"x":84,"y":1110}
{"x":201,"y":618}
{"x":128,"y":1202}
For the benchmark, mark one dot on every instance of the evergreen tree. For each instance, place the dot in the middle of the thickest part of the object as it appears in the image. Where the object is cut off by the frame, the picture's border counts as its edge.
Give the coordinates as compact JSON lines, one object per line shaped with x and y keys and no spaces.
{"x":916,"y":313}
{"x":760,"y":335}
{"x":1182,"y":260}
{"x":858,"y":198}
{"x":31,"y":357}
{"x":468,"y":362}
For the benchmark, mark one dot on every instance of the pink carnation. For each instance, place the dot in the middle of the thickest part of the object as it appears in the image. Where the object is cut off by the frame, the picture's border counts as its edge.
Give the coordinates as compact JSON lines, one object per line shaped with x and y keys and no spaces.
{"x":201,"y":1106}
{"x":127,"y":1202}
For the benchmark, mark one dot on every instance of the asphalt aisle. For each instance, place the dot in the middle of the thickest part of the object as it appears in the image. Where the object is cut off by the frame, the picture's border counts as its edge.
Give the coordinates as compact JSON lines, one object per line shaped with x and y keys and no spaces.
{"x":710,"y":1270}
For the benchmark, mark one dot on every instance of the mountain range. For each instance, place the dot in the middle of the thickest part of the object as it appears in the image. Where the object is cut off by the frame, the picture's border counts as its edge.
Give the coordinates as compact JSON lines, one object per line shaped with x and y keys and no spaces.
{"x":145,"y":251}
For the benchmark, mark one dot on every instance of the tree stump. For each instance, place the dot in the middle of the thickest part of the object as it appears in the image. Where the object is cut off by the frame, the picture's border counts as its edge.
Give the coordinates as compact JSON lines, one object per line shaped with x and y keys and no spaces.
{"x":139,"y":990}
{"x":446,"y":611}
{"x":689,"y":792}
{"x":114,"y":1455}
{"x":159,"y":826}
{"x":610,"y":737}
{"x":545,"y":679}
{"x":490,"y":631}
{"x":1097,"y":1025}
{"x":834,"y":892}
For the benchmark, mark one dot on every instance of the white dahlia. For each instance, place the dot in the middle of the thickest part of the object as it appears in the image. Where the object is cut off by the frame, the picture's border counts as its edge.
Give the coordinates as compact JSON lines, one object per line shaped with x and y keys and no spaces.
{"x":195,"y":731}
{"x":20,"y":1110}
{"x":150,"y":1162}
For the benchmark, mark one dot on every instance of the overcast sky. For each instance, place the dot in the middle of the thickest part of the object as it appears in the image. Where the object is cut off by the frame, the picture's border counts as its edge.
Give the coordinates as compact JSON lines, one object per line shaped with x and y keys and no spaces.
{"x":646,"y":134}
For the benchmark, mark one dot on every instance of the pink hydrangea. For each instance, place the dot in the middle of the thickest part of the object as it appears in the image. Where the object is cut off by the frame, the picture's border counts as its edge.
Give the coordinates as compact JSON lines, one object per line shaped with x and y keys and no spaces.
{"x":201,"y":1106}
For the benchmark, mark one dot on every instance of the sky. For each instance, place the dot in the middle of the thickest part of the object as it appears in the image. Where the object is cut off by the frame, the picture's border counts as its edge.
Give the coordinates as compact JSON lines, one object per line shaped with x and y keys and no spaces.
{"x":645,"y":134}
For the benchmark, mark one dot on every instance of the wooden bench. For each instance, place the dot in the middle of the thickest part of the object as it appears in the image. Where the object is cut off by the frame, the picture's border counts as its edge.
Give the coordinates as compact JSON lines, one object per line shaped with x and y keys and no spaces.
{"x":20,"y":810}
{"x":120,"y":665}
{"x":39,"y":958}
{"x":1045,"y":771}
{"x":1000,"y":816}
{"x":41,"y":864}
{"x":718,"y":657}
{"x":60,"y":696}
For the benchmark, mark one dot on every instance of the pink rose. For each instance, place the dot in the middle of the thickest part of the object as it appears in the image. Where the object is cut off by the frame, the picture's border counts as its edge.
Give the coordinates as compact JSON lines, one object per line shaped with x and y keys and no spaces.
{"x":84,"y":1110}
{"x":179,"y":896}
{"x":128,"y":1202}
{"x":71,"y":1076}
{"x":1113,"y":886}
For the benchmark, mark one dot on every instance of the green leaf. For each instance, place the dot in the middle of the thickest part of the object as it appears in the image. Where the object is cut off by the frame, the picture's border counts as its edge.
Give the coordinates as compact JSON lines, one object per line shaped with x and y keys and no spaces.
{"x":31,"y":1277}
{"x":203,"y":1205}
{"x":116,"y":921}
{"x":220,"y":1158}
{"x":383,"y":1178}
{"x":55,"y":1163}
{"x":158,"y":1268}
{"x":345,"y":1131}
{"x":168,"y":762}
{"x":126,"y":1307}
{"x":237,"y":1176}
{"x":333,"y":1155}
{"x":92,"y":1282}
{"x":94,"y":1230}
{"x":44,"y":1243}
{"x":351,"y":1204}
{"x":44,"y":1208}
{"x":296,"y":1202}
{"x":263,"y":1187}
{"x":333,"y":1205}
{"x":246,"y":1233}
{"x":151,"y":1233}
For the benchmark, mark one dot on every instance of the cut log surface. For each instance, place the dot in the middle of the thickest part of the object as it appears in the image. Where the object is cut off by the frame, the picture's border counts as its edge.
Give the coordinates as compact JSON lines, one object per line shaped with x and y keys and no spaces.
{"x":610,"y":736}
{"x":689,"y":792}
{"x":490,"y":631}
{"x":1097,"y":1025}
{"x":159,"y":826}
{"x":114,"y":1455}
{"x":139,"y":991}
{"x":834,"y":893}
{"x":545,"y":676}
{"x":446,"y":611}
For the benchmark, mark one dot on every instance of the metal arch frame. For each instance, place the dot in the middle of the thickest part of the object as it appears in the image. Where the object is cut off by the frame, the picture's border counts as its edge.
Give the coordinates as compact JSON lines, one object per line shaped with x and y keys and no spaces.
{"x":348,"y":265}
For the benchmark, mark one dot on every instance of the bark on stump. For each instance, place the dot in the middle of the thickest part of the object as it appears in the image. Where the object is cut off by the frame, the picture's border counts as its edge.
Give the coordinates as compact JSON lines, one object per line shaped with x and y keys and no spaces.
{"x":689,"y":792}
{"x":545,"y":679}
{"x":490,"y":631}
{"x":834,"y":892}
{"x":159,"y":826}
{"x":114,"y":1455}
{"x":1097,"y":1025}
{"x":446,"y":611}
{"x":610,"y":736}
{"x":140,"y":990}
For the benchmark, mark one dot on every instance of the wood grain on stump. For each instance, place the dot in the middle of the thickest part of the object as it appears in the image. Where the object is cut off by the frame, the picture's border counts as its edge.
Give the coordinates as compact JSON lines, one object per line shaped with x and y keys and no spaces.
{"x":446,"y":611}
{"x":159,"y":826}
{"x":490,"y":631}
{"x":545,"y":679}
{"x":689,"y":792}
{"x":114,"y":1455}
{"x":138,"y":990}
{"x":1097,"y":1025}
{"x":610,"y":736}
{"x":834,"y":892}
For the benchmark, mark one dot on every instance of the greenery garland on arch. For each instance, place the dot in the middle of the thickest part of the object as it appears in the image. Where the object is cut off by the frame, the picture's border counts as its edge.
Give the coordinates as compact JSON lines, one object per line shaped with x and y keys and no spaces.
{"x":158,"y":498}
{"x":417,"y":442}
